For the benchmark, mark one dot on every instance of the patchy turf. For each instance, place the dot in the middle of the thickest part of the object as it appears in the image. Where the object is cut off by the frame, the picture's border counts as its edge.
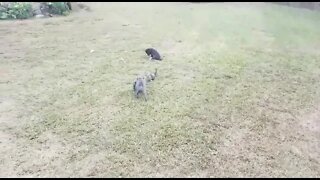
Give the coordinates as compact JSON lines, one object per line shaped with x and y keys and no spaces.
{"x":237,"y":93}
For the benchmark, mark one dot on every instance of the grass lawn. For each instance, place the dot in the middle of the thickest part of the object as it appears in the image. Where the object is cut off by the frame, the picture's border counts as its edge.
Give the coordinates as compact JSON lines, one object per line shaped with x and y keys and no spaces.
{"x":237,"y":93}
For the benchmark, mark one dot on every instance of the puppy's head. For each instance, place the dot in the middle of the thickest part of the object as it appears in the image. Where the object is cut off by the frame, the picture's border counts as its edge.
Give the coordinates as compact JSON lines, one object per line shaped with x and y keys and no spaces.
{"x":148,"y":51}
{"x":140,"y":77}
{"x":152,"y":76}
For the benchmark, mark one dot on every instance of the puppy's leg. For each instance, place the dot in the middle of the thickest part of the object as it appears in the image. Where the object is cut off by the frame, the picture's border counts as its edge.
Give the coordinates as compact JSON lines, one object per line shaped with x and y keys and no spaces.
{"x":136,"y":94}
{"x":150,"y":58}
{"x":134,"y":85}
{"x":145,"y":96}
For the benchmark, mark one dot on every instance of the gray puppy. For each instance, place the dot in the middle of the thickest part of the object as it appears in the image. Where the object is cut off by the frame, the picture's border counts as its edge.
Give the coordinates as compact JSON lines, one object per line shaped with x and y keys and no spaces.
{"x":151,"y":76}
{"x":140,"y":86}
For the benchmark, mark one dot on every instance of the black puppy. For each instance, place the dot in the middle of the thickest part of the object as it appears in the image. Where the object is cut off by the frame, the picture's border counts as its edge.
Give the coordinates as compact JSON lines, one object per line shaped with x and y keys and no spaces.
{"x":153,"y":54}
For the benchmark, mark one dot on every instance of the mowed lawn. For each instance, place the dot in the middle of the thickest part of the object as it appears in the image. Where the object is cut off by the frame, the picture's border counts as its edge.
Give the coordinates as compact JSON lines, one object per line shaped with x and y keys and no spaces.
{"x":237,"y":93}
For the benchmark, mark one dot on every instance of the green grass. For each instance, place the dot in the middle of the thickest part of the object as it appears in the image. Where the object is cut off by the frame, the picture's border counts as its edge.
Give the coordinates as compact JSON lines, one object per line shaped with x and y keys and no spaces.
{"x":235,"y":84}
